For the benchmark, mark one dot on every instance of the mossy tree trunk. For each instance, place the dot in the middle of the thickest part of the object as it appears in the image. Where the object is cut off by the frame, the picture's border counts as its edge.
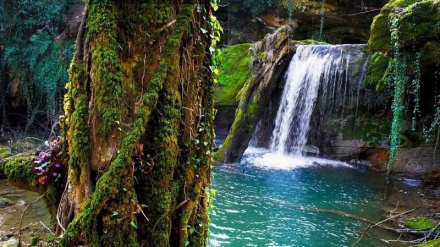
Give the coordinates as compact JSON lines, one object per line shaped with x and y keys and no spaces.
{"x":138,"y":126}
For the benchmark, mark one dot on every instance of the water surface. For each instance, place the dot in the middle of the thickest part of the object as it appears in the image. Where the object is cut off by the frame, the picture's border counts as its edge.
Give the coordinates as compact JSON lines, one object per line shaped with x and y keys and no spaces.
{"x":35,"y":216}
{"x":296,"y":205}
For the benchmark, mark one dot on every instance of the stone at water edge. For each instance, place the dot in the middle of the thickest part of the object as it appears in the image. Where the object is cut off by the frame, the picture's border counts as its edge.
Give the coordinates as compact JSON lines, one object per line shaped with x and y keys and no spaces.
{"x":4,"y":202}
{"x":12,"y":242}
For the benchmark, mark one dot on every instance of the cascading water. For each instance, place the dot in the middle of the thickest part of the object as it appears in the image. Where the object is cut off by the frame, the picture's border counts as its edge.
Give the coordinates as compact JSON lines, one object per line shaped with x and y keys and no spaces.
{"x":314,"y":69}
{"x":323,"y":83}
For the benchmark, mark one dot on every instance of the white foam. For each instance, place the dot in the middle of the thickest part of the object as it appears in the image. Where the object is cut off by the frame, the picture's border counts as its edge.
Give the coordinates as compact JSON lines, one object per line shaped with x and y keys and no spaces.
{"x":270,"y":160}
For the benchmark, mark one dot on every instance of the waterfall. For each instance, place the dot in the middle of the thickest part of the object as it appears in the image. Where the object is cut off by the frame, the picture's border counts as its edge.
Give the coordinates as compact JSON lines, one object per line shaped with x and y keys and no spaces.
{"x":316,"y":73}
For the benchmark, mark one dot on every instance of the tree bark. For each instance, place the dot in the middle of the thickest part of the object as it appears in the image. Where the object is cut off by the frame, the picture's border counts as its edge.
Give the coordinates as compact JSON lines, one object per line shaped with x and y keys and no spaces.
{"x":138,"y":126}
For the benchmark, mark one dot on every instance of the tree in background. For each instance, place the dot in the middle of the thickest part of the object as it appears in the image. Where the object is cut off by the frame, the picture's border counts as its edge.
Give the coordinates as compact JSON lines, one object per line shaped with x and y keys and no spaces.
{"x":138,"y":125}
{"x":35,"y":53}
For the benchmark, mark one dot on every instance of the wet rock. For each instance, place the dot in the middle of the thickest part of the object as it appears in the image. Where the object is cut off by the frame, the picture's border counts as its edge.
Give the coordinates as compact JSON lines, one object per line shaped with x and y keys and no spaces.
{"x":348,"y":148}
{"x":12,"y":242}
{"x":343,"y":23}
{"x":416,"y":161}
{"x":376,"y":158}
{"x":270,"y":57}
{"x":4,"y":202}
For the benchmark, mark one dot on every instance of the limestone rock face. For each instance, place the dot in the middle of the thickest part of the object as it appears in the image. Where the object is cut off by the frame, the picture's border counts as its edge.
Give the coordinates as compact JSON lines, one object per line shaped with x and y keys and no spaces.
{"x":269,"y":60}
{"x":405,"y":37}
{"x":335,"y":22}
{"x":416,"y":161}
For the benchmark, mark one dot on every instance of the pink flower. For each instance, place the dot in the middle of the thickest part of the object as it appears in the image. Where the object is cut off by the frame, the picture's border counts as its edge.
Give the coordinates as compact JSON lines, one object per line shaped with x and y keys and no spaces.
{"x":55,"y":174}
{"x":57,"y":165}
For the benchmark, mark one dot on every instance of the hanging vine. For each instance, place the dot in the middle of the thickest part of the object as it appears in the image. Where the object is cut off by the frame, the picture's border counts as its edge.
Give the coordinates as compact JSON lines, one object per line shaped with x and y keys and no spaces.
{"x":400,"y":80}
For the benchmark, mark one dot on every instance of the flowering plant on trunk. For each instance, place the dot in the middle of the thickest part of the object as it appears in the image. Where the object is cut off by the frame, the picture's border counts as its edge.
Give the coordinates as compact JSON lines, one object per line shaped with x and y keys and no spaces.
{"x":46,"y":165}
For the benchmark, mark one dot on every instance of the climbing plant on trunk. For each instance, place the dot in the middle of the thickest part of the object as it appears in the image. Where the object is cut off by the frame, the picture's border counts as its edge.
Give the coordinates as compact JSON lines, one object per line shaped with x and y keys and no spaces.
{"x":138,"y":126}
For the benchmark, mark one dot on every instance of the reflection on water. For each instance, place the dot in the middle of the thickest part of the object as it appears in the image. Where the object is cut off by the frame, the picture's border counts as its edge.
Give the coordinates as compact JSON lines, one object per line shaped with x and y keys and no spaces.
{"x":10,"y":215}
{"x":261,"y":206}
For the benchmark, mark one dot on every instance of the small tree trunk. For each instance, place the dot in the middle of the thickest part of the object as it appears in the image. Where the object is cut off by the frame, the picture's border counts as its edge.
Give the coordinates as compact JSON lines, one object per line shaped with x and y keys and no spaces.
{"x":138,"y":126}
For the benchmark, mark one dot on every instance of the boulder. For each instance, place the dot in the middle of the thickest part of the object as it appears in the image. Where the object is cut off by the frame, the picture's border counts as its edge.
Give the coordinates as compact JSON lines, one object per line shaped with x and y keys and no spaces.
{"x":4,"y":202}
{"x":269,"y":60}
{"x":416,"y":161}
{"x":12,"y":242}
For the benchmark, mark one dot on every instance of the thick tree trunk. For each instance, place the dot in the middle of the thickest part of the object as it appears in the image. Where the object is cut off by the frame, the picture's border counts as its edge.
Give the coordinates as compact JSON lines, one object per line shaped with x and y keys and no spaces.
{"x":138,"y":126}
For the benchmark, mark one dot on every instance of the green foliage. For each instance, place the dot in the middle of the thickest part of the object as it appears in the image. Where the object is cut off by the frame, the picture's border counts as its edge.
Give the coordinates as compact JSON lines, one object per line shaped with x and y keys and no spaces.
{"x":308,"y":42}
{"x":399,"y":3}
{"x":404,"y":37}
{"x":3,"y":152}
{"x":257,"y":7}
{"x":378,"y":71}
{"x":19,"y":169}
{"x":400,"y":80}
{"x":419,"y":223}
{"x":432,"y":243}
{"x":234,"y":70}
{"x":33,"y":55}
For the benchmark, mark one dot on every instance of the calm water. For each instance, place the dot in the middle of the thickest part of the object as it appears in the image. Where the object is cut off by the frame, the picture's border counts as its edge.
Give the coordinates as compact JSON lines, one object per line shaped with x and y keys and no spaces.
{"x":258,"y":205}
{"x":33,"y":219}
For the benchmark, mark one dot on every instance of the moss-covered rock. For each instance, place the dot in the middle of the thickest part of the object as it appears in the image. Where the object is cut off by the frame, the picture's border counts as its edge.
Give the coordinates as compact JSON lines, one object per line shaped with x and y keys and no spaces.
{"x":405,"y":41}
{"x":4,"y":202}
{"x":3,"y":152}
{"x":268,"y":61}
{"x":379,"y":69}
{"x":380,"y":38}
{"x":419,"y":223}
{"x":19,"y":172}
{"x":416,"y":28}
{"x":432,"y":243}
{"x":234,"y":70}
{"x":308,"y":42}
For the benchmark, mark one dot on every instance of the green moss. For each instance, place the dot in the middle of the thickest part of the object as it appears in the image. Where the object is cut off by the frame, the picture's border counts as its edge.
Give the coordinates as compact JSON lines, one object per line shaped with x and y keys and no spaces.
{"x":432,"y":243}
{"x":233,"y":72}
{"x":262,"y":55}
{"x":244,"y":123}
{"x":380,"y":37}
{"x":19,"y":170}
{"x":252,"y":109}
{"x":79,"y":146}
{"x":110,"y":195}
{"x":102,"y":18}
{"x":378,"y":71}
{"x":418,"y":22}
{"x":3,"y":152}
{"x":430,"y":54}
{"x":108,"y":90}
{"x":419,"y":223}
{"x":308,"y":42}
{"x":399,"y":3}
{"x":5,"y":202}
{"x":21,"y":146}
{"x":35,"y":240}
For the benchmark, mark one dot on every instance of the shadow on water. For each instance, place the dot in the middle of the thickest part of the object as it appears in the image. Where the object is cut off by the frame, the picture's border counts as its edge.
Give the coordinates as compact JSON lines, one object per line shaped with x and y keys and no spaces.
{"x":301,"y":205}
